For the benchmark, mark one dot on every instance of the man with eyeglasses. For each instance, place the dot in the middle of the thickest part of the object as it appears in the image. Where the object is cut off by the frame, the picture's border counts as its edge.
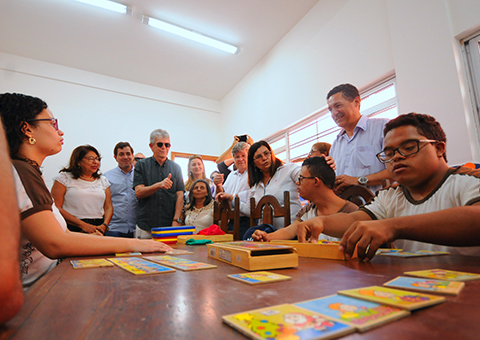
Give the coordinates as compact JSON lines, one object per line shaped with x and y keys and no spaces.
{"x":433,"y":203}
{"x":159,"y":187}
{"x":357,"y":143}
{"x":138,"y":157}
{"x":315,"y":183}
{"x":124,"y":201}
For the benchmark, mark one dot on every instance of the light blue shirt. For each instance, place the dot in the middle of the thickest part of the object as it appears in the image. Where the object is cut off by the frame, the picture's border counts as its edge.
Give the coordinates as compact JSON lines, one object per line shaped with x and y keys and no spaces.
{"x":124,"y":200}
{"x":356,"y":156}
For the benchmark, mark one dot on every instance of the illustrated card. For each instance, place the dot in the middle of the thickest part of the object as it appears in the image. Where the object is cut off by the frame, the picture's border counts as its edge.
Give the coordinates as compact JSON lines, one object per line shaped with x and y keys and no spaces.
{"x":128,"y":254}
{"x":179,"y":263}
{"x":403,"y":253}
{"x":442,"y":274}
{"x":286,"y":322}
{"x":426,"y":285}
{"x":256,"y":278}
{"x":92,"y":263}
{"x":178,"y":252}
{"x":393,"y":297}
{"x":138,"y":266}
{"x":363,"y":315}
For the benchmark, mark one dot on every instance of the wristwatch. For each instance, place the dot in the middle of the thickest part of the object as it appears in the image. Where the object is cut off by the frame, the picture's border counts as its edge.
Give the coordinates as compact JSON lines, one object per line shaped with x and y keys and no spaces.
{"x":363,"y":180}
{"x":178,"y":220}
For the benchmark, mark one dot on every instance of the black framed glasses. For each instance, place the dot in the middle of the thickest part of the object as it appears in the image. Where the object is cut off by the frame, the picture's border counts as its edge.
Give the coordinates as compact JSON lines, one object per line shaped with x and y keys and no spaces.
{"x":137,"y":158}
{"x":407,"y":148}
{"x":160,"y":145}
{"x":53,"y":121}
{"x":300,"y":178}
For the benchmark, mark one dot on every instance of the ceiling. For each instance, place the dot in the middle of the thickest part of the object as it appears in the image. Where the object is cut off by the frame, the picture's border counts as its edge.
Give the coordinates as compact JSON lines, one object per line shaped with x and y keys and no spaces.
{"x":80,"y":36}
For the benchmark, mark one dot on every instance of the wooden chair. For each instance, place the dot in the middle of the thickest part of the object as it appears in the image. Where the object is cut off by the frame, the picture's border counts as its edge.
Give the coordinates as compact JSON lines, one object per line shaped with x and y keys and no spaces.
{"x":268,"y":208}
{"x":223,"y":212}
{"x":356,"y":193}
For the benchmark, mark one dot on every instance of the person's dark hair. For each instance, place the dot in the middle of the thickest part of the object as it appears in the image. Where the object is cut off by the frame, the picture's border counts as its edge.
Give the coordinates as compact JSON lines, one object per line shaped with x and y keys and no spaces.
{"x":254,"y":173}
{"x":122,"y":145}
{"x":426,"y":126}
{"x":322,"y":147}
{"x":318,"y":167}
{"x":191,"y":199}
{"x":349,"y":91}
{"x":77,"y":155}
{"x":15,"y":110}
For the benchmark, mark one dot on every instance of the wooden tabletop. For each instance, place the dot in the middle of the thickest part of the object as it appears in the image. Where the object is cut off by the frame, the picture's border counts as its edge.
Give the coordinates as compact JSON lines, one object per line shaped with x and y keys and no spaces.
{"x":110,"y":303}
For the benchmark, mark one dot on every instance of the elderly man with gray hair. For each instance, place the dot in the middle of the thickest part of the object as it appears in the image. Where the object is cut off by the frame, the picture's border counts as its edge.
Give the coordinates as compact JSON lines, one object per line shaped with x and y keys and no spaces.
{"x":159,"y":187}
{"x":237,"y":182}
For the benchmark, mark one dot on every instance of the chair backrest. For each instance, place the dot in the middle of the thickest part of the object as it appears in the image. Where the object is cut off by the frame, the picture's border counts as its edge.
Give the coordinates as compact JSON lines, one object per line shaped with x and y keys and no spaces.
{"x":268,"y":208}
{"x":357,"y":194}
{"x":223,"y":212}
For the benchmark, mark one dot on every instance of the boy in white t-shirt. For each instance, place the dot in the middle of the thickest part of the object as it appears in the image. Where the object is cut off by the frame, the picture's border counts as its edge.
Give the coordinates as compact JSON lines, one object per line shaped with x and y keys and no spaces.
{"x":315,"y":184}
{"x":433,"y":203}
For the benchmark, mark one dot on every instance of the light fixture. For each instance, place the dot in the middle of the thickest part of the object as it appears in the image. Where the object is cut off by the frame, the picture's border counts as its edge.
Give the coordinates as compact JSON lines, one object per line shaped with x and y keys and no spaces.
{"x":110,"y":5}
{"x":190,"y":34}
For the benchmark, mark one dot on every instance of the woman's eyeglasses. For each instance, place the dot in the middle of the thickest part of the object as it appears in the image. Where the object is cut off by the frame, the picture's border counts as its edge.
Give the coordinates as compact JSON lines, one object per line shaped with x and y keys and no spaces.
{"x":266,"y":154}
{"x":91,"y":158}
{"x":160,"y":145}
{"x":53,"y":121}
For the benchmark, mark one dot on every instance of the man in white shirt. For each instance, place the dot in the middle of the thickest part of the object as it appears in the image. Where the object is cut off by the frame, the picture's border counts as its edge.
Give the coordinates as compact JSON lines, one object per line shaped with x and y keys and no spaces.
{"x":237,"y":181}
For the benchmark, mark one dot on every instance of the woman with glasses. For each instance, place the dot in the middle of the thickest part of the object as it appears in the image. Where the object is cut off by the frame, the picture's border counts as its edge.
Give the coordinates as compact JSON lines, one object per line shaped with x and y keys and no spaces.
{"x":32,"y":135}
{"x":82,"y":195}
{"x":268,"y":175}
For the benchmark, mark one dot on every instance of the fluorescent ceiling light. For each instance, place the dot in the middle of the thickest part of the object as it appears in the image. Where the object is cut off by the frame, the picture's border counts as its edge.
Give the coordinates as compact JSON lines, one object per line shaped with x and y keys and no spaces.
{"x":189,"y":34}
{"x":106,"y":4}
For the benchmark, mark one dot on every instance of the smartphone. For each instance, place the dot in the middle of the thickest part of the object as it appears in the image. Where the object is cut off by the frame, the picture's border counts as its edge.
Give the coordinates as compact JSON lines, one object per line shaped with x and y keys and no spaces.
{"x":242,"y":138}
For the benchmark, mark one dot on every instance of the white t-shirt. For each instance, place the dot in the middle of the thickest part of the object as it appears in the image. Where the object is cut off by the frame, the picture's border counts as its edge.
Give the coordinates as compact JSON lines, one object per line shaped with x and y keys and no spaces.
{"x":83,"y":199}
{"x":201,"y":218}
{"x":460,"y":187}
{"x":285,"y":179}
{"x":236,"y":184}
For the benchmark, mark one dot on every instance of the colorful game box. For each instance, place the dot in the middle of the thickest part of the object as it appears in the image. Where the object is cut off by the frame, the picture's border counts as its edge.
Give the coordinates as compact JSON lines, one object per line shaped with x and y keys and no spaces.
{"x":426,"y":285}
{"x":254,"y":255}
{"x":442,"y":274}
{"x":213,"y":238}
{"x":363,"y":315}
{"x":169,"y":235}
{"x":179,"y":263}
{"x":324,"y":249}
{"x":393,"y":297}
{"x":92,"y":263}
{"x":138,"y":266}
{"x":256,"y":278}
{"x":286,"y":322}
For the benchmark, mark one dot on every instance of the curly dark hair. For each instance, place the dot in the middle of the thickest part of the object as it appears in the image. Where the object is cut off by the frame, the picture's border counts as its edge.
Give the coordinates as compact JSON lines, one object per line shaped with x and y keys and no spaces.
{"x":15,"y":110}
{"x":426,"y":126}
{"x":77,"y":155}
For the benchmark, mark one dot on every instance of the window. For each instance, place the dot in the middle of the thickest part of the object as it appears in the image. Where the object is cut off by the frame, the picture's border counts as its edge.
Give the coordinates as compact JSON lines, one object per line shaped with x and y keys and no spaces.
{"x":293,"y":143}
{"x":182,"y":159}
{"x":472,"y":50}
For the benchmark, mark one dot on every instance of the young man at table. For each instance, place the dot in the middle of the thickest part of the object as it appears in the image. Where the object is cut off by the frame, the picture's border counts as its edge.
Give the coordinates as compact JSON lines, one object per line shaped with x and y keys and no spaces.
{"x":433,"y":203}
{"x":315,"y":184}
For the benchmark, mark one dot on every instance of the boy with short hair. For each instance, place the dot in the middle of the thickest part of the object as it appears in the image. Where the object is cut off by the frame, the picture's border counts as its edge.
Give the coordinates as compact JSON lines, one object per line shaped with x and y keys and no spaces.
{"x":434,"y":203}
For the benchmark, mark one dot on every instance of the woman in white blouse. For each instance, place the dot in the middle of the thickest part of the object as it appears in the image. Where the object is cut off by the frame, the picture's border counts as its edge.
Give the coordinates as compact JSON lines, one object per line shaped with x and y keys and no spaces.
{"x":268,"y":175}
{"x":199,"y":210}
{"x":82,"y":195}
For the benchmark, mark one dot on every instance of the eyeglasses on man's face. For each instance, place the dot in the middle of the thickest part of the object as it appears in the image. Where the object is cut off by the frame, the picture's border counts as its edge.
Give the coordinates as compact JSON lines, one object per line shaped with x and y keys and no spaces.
{"x":300,"y":178}
{"x":53,"y":121}
{"x":407,"y":148}
{"x":160,"y":145}
{"x":92,"y":158}
{"x":265,"y":154}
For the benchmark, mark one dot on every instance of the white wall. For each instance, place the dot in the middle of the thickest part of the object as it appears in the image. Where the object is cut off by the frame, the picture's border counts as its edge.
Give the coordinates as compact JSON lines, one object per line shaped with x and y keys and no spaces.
{"x":358,"y":41}
{"x":101,"y":111}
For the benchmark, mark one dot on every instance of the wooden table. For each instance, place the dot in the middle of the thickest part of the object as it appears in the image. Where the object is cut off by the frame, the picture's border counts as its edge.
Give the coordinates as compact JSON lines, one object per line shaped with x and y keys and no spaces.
{"x":110,"y":303}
